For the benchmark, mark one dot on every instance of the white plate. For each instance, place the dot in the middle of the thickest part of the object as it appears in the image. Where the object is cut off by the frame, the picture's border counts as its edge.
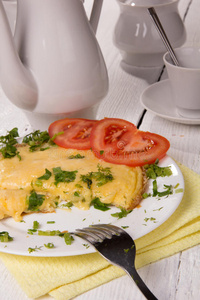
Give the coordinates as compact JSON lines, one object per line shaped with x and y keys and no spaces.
{"x":158,"y":99}
{"x":150,"y":214}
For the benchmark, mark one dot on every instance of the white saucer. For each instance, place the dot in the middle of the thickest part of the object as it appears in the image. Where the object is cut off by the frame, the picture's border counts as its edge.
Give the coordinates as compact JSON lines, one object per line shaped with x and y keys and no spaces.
{"x":158,"y":99}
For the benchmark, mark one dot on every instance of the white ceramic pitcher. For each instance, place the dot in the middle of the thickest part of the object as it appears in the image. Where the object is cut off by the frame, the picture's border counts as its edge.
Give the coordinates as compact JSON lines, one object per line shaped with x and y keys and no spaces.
{"x":136,"y":36}
{"x":54,"y":64}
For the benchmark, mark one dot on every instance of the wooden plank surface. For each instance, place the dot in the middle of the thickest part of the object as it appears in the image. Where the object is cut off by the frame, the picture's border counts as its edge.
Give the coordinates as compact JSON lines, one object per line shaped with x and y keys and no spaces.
{"x":174,"y":278}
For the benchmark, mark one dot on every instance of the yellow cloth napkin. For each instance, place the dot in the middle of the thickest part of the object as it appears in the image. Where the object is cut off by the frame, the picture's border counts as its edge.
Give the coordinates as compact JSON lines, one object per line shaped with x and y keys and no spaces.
{"x":66,"y":277}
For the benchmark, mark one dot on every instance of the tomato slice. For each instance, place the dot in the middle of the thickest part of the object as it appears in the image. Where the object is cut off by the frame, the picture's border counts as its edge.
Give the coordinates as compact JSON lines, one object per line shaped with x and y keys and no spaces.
{"x":72,"y":133}
{"x":120,"y":142}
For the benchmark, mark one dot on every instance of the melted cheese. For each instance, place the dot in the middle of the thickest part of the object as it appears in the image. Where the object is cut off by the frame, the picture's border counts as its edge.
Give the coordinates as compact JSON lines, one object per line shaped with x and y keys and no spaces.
{"x":19,"y":178}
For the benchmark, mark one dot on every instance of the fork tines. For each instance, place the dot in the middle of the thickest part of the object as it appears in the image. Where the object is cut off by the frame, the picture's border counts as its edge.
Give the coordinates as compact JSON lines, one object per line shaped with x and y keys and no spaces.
{"x":98,"y":233}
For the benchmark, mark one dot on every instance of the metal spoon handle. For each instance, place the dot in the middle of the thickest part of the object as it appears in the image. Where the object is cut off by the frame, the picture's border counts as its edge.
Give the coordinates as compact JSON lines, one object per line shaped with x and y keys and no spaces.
{"x":163,"y":35}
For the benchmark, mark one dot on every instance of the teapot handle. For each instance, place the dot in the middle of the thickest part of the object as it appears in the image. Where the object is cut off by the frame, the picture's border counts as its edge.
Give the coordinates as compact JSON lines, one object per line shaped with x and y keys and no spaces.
{"x":95,"y":14}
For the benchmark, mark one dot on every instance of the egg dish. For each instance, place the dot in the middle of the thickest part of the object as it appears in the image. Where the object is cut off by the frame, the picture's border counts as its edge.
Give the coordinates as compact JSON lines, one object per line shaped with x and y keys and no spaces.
{"x":40,"y":181}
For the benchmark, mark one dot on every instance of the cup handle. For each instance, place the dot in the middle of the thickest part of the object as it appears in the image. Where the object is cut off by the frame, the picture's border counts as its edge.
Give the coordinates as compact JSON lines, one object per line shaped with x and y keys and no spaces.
{"x":95,"y":14}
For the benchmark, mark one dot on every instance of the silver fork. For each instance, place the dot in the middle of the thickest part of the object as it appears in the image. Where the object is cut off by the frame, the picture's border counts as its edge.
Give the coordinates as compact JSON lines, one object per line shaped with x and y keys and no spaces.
{"x":115,"y":245}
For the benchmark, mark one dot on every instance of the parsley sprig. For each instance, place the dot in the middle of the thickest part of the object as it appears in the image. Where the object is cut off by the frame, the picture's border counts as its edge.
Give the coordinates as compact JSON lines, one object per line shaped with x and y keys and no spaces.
{"x":35,"y":201}
{"x":99,"y":205}
{"x":153,"y":171}
{"x":122,"y":214}
{"x":37,"y":139}
{"x":8,"y":144}
{"x":63,"y":176}
{"x":5,"y":237}
{"x":102,"y":176}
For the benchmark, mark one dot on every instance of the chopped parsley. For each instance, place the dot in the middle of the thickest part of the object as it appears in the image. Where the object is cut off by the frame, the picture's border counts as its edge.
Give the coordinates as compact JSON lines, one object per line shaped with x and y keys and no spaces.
{"x":150,"y":219}
{"x":153,"y":171}
{"x":87,"y":179}
{"x":102,"y":176}
{"x":146,"y":195}
{"x":126,"y":250}
{"x":124,"y":227}
{"x":35,"y":201}
{"x":5,"y":237}
{"x":49,"y":245}
{"x":99,"y":205}
{"x":122,"y":214}
{"x":77,"y":156}
{"x":68,"y":205}
{"x":49,"y":232}
{"x":8,"y":144}
{"x":46,"y":176}
{"x":180,"y":190}
{"x":31,"y":231}
{"x":63,"y":176}
{"x":56,"y":134}
{"x":36,"y":140}
{"x":34,"y":249}
{"x":77,"y":194}
{"x":36,"y":224}
{"x":68,"y":238}
{"x":168,"y":190}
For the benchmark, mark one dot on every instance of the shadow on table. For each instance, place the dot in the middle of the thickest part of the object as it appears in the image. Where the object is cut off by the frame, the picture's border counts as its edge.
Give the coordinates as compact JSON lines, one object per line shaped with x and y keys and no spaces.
{"x":149,"y":74}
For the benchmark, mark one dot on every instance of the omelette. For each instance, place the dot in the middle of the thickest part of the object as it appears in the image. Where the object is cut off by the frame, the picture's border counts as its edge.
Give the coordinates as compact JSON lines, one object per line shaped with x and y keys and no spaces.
{"x":41,"y":181}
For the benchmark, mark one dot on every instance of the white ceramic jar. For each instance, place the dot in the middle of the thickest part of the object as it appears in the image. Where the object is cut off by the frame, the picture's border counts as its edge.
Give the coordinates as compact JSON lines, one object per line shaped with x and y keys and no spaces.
{"x":137,"y":38}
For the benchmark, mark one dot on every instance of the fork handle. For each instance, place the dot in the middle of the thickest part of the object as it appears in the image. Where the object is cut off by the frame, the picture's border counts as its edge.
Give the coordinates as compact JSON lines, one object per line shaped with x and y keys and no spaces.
{"x":141,"y":285}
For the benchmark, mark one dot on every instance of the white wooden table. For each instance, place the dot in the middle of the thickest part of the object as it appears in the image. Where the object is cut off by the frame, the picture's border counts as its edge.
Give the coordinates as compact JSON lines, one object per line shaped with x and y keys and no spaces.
{"x":173,"y":278}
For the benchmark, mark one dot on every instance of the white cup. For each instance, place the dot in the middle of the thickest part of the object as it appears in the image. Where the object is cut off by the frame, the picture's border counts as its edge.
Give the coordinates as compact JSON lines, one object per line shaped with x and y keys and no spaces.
{"x":185,"y":81}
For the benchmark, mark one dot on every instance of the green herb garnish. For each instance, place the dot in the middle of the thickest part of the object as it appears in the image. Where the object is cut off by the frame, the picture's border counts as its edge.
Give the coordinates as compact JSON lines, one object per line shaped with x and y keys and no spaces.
{"x":63,"y":176}
{"x":68,"y":238}
{"x":36,"y":224}
{"x":77,"y":194}
{"x":56,"y":134}
{"x":49,"y":232}
{"x":46,"y":175}
{"x":122,"y":214}
{"x":153,"y":171}
{"x":5,"y":237}
{"x":168,"y":190}
{"x":66,"y":235}
{"x":49,"y":245}
{"x":36,"y":140}
{"x":150,"y":219}
{"x":146,"y":195}
{"x":68,"y":205}
{"x":102,"y":176}
{"x":31,"y":231}
{"x":77,"y":156}
{"x":99,"y":205}
{"x":126,"y":250}
{"x":180,"y":190}
{"x":87,"y":179}
{"x":8,"y":144}
{"x":35,"y":201}
{"x":34,"y":249}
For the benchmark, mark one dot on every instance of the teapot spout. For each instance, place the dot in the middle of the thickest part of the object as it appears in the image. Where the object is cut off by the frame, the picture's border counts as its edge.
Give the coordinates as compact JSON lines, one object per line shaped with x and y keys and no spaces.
{"x":16,"y":80}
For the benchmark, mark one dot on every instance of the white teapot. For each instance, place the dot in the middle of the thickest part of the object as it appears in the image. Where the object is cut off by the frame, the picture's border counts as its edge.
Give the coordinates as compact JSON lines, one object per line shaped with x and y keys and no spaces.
{"x":136,"y":36}
{"x":53,"y":65}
